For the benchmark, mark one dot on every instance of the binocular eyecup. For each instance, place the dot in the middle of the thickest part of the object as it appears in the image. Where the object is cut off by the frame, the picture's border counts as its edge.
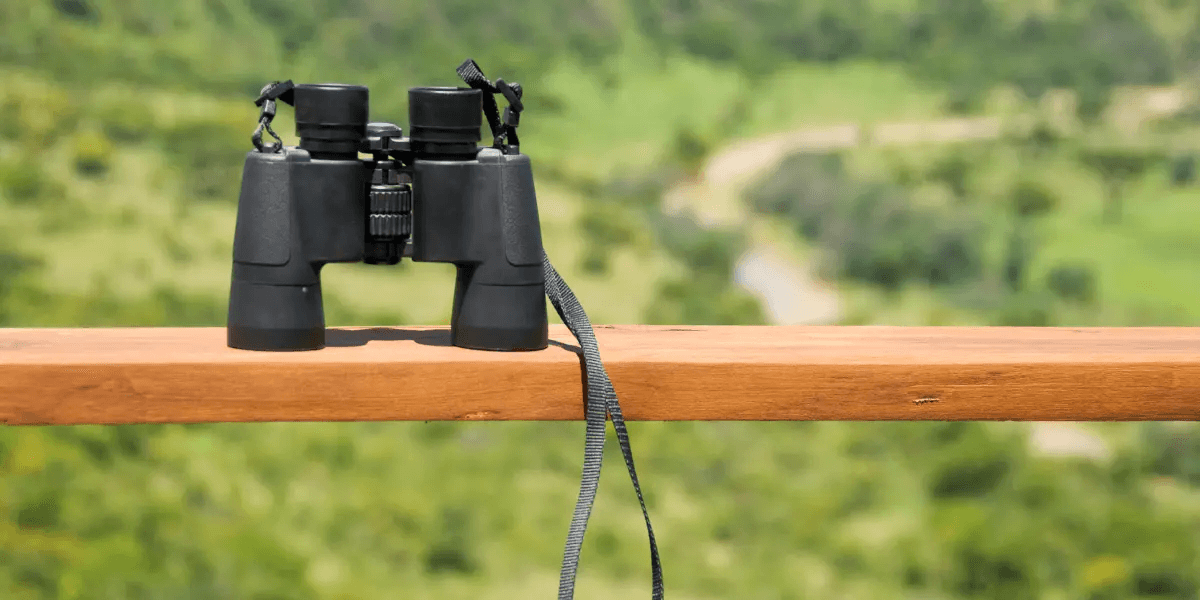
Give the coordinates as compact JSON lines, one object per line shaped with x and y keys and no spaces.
{"x":444,"y":120}
{"x":331,"y":118}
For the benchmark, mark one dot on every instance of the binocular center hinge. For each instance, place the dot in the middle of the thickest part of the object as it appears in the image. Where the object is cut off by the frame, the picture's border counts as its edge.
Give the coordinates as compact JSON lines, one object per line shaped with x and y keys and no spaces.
{"x":389,"y":212}
{"x":383,"y":139}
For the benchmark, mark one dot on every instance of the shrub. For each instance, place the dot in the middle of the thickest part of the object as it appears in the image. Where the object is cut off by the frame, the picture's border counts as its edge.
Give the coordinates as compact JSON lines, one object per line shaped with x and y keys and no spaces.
{"x":93,"y":153}
{"x":705,"y":295}
{"x":1173,"y":450}
{"x":605,"y":226}
{"x":806,"y":188}
{"x":703,"y":301}
{"x":874,"y":233}
{"x":881,"y":238}
{"x":1043,"y":138}
{"x":707,"y":252}
{"x":1183,"y":170}
{"x":690,"y":149}
{"x":125,"y":120}
{"x":1075,"y":283}
{"x":23,"y":181}
{"x":210,"y":158}
{"x":35,"y":111}
{"x":1028,"y":309}
{"x":952,"y":171}
{"x":1016,"y":259}
{"x":594,"y":262}
{"x":1030,"y":199}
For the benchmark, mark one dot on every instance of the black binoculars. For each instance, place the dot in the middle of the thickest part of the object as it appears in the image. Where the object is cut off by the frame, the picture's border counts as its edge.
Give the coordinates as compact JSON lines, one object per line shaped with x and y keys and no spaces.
{"x":434,"y":196}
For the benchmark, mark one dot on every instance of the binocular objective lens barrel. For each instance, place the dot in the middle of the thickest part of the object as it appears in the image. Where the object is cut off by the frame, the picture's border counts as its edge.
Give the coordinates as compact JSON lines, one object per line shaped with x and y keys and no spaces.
{"x":331,"y":119}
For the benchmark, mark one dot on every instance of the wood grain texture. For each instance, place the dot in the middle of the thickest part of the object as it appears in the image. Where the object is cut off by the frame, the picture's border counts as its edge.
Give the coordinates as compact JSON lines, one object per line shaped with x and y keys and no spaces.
{"x":144,"y":375}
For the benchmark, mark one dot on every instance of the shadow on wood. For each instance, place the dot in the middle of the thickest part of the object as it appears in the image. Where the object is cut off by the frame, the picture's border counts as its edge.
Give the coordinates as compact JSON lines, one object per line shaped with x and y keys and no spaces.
{"x":345,"y":338}
{"x":351,"y":337}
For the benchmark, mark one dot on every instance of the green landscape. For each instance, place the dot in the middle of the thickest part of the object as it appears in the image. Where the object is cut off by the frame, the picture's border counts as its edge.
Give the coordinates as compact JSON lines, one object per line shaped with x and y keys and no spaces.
{"x":123,"y":127}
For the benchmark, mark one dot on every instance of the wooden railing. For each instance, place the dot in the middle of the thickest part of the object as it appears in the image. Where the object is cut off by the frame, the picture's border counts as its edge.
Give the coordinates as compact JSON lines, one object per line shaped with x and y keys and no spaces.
{"x":140,"y":375}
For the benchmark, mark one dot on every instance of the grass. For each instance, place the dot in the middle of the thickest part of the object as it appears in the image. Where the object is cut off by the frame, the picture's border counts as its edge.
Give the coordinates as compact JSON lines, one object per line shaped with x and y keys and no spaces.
{"x":134,"y":229}
{"x":1144,"y":264}
{"x":353,"y":509}
{"x":806,"y":95}
{"x":143,"y":241}
{"x":632,"y":121}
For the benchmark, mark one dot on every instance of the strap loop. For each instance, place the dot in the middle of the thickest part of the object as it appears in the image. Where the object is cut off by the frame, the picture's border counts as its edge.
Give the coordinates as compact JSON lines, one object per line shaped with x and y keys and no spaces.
{"x":504,"y":132}
{"x":271,"y":92}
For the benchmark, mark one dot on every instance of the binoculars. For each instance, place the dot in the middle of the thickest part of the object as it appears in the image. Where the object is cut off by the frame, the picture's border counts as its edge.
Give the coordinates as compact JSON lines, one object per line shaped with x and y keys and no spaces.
{"x":434,"y":196}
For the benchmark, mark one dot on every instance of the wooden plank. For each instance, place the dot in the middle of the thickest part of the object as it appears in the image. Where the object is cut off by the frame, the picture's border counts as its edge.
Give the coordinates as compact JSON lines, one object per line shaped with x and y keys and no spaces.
{"x":74,"y":376}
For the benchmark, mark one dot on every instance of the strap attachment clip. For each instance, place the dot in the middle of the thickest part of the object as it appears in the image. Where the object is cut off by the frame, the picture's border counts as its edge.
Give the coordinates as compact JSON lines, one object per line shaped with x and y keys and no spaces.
{"x":276,"y":90}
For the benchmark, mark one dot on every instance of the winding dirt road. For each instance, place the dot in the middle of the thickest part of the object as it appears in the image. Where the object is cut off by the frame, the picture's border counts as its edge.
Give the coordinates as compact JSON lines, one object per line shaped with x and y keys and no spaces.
{"x":790,"y":293}
{"x":780,"y":278}
{"x":785,"y":284}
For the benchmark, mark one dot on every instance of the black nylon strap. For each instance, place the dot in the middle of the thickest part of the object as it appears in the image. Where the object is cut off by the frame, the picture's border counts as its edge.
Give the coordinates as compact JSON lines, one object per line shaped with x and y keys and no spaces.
{"x":470,"y":72}
{"x":504,"y":130}
{"x":601,"y":401}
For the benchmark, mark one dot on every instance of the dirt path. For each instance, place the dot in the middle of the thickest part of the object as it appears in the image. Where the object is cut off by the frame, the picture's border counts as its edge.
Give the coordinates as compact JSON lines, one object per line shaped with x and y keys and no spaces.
{"x":777,"y":274}
{"x":770,"y":270}
{"x":781,"y":278}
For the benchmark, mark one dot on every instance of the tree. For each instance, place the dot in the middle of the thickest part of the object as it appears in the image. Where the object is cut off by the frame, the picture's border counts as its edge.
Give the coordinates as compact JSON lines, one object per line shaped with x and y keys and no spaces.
{"x":1116,"y":166}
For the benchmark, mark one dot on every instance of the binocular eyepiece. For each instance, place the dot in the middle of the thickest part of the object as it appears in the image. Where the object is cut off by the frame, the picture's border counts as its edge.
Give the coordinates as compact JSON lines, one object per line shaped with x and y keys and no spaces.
{"x":442,"y":119}
{"x":435,"y":196}
{"x":332,"y":119}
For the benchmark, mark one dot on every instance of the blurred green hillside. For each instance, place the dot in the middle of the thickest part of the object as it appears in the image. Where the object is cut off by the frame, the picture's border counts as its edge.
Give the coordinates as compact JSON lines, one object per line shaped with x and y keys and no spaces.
{"x":123,"y":126}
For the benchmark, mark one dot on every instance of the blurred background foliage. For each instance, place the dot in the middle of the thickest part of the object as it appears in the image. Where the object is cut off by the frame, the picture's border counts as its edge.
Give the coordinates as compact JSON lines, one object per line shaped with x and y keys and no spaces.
{"x":123,"y":126}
